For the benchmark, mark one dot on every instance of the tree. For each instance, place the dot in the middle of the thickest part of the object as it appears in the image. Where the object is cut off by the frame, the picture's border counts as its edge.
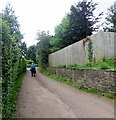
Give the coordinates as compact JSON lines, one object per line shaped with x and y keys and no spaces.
{"x":76,"y":25}
{"x":31,"y":53}
{"x":8,"y":15}
{"x":24,"y":49}
{"x":43,"y":48}
{"x":81,"y":21}
{"x":111,"y":19}
{"x":58,"y":41}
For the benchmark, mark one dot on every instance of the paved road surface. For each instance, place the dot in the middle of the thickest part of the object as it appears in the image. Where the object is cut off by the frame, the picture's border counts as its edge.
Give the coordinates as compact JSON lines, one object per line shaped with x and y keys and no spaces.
{"x":43,"y":97}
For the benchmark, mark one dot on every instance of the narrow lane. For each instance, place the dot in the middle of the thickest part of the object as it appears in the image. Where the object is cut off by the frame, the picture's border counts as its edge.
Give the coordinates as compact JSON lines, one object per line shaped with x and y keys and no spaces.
{"x":43,"y":97}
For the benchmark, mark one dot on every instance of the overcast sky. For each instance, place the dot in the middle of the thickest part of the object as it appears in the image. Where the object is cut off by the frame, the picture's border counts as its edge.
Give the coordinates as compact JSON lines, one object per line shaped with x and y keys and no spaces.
{"x":34,"y":15}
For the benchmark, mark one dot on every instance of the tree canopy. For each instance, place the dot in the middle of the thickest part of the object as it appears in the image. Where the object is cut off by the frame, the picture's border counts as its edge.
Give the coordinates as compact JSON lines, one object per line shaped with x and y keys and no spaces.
{"x":111,"y":19}
{"x":81,"y":21}
{"x":58,"y":41}
{"x":31,"y":53}
{"x":43,"y":48}
{"x":76,"y":25}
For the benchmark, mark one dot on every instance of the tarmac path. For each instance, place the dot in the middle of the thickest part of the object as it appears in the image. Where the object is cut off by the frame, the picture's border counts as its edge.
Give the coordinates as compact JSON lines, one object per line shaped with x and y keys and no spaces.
{"x":43,"y":97}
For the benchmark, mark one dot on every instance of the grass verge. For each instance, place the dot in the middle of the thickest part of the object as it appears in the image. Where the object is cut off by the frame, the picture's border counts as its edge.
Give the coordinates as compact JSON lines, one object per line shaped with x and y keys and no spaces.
{"x":17,"y":88}
{"x":81,"y":86}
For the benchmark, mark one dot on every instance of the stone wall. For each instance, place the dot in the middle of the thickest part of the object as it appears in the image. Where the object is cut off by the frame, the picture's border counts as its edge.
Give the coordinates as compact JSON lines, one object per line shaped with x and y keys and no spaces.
{"x":77,"y":53}
{"x":99,"y":79}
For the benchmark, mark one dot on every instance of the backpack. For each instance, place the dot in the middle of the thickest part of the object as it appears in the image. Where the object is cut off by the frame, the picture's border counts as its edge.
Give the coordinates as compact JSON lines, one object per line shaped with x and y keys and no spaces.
{"x":34,"y":70}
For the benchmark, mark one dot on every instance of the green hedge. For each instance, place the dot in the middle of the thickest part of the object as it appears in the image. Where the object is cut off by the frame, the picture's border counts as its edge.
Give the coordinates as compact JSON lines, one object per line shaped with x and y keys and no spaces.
{"x":13,"y":63}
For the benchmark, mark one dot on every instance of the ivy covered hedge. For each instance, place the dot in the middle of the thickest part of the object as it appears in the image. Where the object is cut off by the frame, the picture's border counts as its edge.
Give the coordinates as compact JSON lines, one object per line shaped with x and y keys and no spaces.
{"x":13,"y":62}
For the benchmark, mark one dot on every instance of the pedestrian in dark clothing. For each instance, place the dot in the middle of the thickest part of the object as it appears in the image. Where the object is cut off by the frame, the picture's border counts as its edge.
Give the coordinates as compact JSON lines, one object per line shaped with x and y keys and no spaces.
{"x":33,"y":70}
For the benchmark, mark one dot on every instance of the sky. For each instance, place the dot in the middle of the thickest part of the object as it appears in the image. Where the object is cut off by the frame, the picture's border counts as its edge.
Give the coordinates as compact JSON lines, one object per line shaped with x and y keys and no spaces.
{"x":44,"y":15}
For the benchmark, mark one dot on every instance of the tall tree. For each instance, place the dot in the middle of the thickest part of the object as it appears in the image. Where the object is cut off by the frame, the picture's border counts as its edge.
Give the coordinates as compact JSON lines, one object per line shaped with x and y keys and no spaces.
{"x":43,"y":48}
{"x":24,"y":49}
{"x":12,"y":22}
{"x":58,"y":41}
{"x":81,"y":21}
{"x":76,"y":25}
{"x":31,"y":53}
{"x":111,"y":19}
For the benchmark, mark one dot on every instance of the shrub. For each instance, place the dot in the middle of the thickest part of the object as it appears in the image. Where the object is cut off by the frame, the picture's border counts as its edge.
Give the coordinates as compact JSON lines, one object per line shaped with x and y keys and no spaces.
{"x":28,"y":65}
{"x":104,"y":66}
{"x":29,"y":61}
{"x":36,"y":65}
{"x":62,"y":66}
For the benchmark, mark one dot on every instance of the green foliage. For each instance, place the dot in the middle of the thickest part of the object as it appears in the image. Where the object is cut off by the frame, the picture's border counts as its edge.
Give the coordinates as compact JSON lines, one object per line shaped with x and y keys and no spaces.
{"x":58,"y":78}
{"x":29,"y":61}
{"x":105,"y":63}
{"x":58,"y":41}
{"x":105,"y":66}
{"x":36,"y":65}
{"x":81,"y":86}
{"x":81,"y":21}
{"x":11,"y":19}
{"x":76,"y":25}
{"x":13,"y":64}
{"x":111,"y":19}
{"x":11,"y":98}
{"x":43,"y":48}
{"x":29,"y":65}
{"x":90,"y":51}
{"x":61,"y":66}
{"x":109,"y":61}
{"x":31,"y":53}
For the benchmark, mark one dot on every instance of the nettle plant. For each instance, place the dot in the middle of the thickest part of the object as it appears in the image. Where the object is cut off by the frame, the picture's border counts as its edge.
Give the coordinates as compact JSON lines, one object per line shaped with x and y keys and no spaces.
{"x":90,"y":51}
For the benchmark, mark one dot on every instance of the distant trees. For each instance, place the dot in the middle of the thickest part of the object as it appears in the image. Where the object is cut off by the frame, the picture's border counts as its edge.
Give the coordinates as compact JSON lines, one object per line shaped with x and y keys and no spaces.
{"x":79,"y":23}
{"x":111,"y":19}
{"x":31,"y":53}
{"x":43,"y":48}
{"x":39,"y":52}
{"x":76,"y":25}
{"x":13,"y":64}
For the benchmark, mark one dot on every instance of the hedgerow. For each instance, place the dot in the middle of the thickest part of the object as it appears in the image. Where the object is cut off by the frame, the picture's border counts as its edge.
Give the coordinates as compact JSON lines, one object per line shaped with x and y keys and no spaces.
{"x":13,"y":63}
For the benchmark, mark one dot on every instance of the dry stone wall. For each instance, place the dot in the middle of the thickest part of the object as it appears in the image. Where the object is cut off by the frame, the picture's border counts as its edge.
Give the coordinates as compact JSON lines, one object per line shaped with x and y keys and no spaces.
{"x":99,"y":79}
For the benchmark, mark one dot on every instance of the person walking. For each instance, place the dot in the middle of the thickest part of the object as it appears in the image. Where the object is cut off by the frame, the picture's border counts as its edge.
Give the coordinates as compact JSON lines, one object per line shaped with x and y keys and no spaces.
{"x":33,"y":70}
